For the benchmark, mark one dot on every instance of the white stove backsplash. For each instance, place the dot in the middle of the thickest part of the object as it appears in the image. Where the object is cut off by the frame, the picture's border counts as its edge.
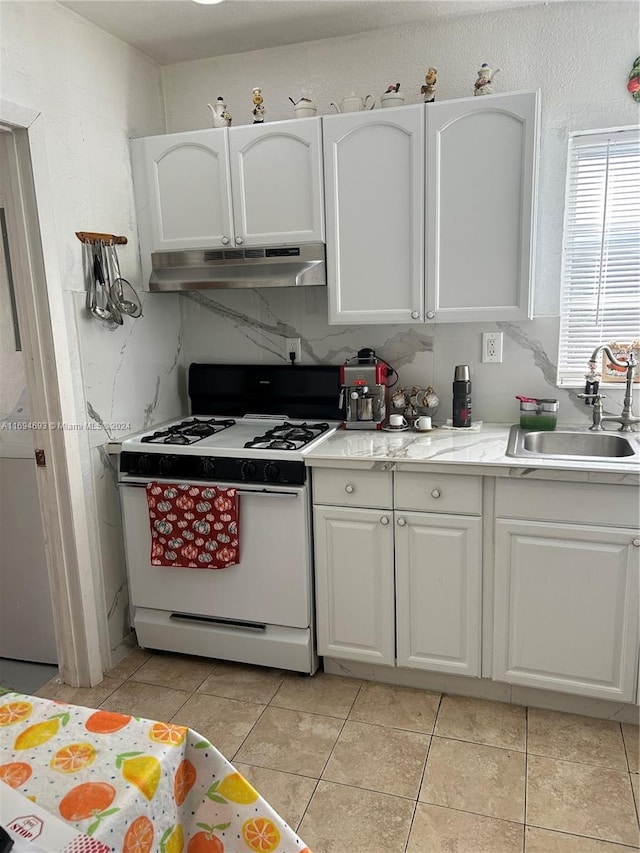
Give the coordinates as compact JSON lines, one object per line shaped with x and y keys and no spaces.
{"x":250,"y":326}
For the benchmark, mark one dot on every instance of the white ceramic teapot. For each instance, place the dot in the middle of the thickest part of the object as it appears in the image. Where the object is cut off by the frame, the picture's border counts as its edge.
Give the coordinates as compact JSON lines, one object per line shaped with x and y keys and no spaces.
{"x":220,"y":116}
{"x":353,"y":104}
{"x":304,"y":108}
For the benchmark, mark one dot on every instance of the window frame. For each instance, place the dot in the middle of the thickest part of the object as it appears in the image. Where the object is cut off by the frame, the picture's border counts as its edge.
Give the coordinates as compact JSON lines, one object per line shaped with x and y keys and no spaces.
{"x":566,"y":376}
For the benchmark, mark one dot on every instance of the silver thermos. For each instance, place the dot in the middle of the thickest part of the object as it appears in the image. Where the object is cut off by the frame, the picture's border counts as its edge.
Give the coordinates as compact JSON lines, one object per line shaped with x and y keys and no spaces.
{"x":461,"y":396}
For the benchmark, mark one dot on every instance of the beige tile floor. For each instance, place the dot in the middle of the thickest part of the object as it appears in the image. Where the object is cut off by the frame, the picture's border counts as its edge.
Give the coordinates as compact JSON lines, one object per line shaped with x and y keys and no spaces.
{"x":358,"y":767}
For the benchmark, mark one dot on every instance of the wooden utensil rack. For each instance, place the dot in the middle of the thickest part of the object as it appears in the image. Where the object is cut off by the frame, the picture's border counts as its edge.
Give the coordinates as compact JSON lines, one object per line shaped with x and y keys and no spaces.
{"x":97,"y":237}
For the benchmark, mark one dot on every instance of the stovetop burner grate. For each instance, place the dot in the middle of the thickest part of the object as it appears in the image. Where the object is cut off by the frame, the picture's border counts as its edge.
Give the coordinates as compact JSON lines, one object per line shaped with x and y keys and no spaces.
{"x":188,"y":432}
{"x":288,"y":436}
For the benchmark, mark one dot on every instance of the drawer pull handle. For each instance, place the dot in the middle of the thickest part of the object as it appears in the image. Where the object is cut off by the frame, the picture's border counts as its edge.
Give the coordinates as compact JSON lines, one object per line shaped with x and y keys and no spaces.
{"x":384,"y":520}
{"x":636,"y":543}
{"x":349,"y":489}
{"x":415,"y":315}
{"x":431,"y":315}
{"x":435,"y":493}
{"x":402,"y":522}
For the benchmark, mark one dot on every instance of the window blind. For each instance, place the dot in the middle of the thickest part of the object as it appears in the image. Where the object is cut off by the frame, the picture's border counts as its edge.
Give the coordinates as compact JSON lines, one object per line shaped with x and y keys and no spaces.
{"x":600,"y":294}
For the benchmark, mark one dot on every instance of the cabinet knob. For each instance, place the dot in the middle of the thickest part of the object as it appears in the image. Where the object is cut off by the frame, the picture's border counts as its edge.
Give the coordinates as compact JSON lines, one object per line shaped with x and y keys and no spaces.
{"x":431,"y":315}
{"x":635,"y":543}
{"x":415,"y":315}
{"x":384,"y":519}
{"x":224,"y":241}
{"x":402,"y":522}
{"x":239,"y":241}
{"x":349,"y":489}
{"x":435,"y":493}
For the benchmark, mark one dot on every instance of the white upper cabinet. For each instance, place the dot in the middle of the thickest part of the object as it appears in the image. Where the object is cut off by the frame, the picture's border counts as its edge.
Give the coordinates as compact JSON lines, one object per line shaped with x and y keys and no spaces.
{"x":258,"y":185}
{"x":183,"y":191}
{"x":481,"y":187}
{"x":374,"y":198}
{"x":430,"y":211}
{"x":276,"y":178}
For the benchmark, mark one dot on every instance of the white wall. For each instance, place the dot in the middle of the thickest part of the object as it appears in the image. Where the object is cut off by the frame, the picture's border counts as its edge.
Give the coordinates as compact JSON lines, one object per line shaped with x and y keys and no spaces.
{"x":578,"y":54}
{"x":94,"y":92}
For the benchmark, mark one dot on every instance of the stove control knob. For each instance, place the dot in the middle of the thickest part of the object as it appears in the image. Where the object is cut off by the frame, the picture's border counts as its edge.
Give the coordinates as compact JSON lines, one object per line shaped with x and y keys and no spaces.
{"x":207,"y":466}
{"x":165,"y":464}
{"x":143,"y":464}
{"x":248,"y":470}
{"x":271,"y":471}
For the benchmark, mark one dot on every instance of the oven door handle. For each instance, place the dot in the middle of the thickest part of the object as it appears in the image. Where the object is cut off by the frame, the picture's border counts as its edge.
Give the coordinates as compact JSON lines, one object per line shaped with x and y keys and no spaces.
{"x":268,"y":493}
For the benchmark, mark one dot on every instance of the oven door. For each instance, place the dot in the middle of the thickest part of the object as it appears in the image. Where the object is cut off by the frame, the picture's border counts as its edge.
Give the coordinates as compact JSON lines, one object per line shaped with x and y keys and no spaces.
{"x":271,"y":584}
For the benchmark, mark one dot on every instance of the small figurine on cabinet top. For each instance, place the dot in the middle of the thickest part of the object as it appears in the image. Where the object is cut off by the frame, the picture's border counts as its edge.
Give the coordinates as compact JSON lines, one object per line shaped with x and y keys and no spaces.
{"x":484,"y":83}
{"x":220,"y":115}
{"x":633,"y":86}
{"x":429,"y":88}
{"x":393,"y":88}
{"x":258,"y":106}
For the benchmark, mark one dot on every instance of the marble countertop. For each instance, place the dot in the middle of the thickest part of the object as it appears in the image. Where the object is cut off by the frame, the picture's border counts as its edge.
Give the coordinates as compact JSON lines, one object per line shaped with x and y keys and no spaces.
{"x":482,"y":451}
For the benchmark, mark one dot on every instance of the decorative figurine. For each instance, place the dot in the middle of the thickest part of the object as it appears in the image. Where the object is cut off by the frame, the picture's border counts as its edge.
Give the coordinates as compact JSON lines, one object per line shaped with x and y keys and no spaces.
{"x":220,"y":116}
{"x":484,"y":83}
{"x":634,"y":81}
{"x":258,"y":107}
{"x":393,"y":88}
{"x":429,"y":88}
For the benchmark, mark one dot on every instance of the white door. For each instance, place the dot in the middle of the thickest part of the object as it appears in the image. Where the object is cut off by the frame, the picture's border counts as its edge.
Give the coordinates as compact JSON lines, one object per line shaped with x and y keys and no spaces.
{"x":276,"y":179}
{"x":354,"y":584}
{"x":566,"y":608}
{"x":481,"y":175}
{"x":438,"y":592}
{"x":182,"y":190}
{"x":374,"y":197}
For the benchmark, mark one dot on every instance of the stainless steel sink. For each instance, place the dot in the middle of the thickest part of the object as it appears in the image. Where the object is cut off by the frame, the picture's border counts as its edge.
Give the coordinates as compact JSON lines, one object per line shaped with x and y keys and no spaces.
{"x":568,"y":444}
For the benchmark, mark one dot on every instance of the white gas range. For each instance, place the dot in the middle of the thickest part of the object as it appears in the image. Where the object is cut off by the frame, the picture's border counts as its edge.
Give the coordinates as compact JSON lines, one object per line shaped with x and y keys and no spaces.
{"x":260,"y":610}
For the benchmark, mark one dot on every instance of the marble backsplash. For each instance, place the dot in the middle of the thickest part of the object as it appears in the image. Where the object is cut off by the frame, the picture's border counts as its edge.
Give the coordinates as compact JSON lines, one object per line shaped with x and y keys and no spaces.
{"x":249,"y":326}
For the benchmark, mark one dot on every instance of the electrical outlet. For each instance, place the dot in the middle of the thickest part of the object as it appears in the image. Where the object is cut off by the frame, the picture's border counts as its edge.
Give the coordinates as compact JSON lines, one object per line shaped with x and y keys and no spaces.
{"x":492,"y":347}
{"x":293,"y":345}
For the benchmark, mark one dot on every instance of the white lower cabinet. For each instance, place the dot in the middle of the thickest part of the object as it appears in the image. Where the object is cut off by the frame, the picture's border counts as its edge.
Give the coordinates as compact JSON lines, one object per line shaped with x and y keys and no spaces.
{"x":566,"y":608}
{"x":567,"y":561}
{"x":399,"y":577}
{"x":399,"y":587}
{"x":438,"y":592}
{"x":354,"y":583}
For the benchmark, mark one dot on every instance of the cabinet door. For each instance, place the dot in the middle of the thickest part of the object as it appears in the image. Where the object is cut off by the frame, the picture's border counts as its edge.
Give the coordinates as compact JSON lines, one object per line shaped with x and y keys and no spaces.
{"x":481,"y":175}
{"x":276,"y":179}
{"x":438,"y":592}
{"x":354,"y":584}
{"x":374,"y":196}
{"x":566,"y":608}
{"x":182,"y":189}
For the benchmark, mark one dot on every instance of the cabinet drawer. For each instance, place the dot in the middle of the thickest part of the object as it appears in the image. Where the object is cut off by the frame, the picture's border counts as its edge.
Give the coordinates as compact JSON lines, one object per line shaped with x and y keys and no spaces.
{"x":583,"y":503}
{"x":459,"y":493}
{"x":352,"y":488}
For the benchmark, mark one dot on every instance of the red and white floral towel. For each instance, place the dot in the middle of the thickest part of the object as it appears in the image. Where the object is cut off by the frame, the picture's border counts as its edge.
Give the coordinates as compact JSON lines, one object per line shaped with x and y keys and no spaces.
{"x":193,"y":527}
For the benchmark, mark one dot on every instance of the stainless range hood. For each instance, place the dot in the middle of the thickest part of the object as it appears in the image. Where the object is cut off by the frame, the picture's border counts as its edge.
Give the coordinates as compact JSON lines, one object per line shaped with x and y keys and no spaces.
{"x":273,"y":266}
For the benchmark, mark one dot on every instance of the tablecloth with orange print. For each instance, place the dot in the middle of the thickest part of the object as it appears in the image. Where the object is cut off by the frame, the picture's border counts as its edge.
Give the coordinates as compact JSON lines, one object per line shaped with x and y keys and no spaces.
{"x":136,"y":785}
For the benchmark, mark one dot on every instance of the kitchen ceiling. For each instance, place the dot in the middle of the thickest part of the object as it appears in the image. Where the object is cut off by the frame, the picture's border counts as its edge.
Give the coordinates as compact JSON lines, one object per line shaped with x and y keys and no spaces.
{"x":172,"y":31}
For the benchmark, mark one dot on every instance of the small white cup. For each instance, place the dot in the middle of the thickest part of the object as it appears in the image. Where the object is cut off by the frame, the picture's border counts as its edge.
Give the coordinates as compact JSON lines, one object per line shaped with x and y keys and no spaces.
{"x":305,"y":111}
{"x":397,"y":421}
{"x":423,"y":422}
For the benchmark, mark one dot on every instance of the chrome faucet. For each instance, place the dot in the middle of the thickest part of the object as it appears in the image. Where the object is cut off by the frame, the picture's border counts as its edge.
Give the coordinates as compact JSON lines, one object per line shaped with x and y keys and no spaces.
{"x":626,"y":418}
